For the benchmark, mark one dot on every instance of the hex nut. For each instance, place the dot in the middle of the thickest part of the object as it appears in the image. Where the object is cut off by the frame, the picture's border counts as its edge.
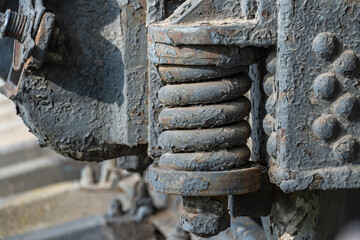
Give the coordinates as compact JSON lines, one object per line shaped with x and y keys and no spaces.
{"x":326,"y":127}
{"x":347,"y":106}
{"x":346,"y":149}
{"x":324,"y":45}
{"x":326,"y":86}
{"x":347,"y":65}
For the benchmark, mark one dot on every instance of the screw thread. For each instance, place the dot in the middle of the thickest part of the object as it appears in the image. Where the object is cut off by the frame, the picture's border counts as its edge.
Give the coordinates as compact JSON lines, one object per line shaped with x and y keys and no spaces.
{"x":16,"y":26}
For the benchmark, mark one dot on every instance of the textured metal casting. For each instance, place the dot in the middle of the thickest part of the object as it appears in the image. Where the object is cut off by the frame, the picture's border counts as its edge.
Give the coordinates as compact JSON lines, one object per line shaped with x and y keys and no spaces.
{"x":315,"y":110}
{"x":82,"y":90}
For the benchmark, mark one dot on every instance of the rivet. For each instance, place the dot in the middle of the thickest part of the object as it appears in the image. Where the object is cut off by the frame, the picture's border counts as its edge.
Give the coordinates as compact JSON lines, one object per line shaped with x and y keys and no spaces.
{"x":346,"y":149}
{"x":271,"y":145}
{"x":325,"y":85}
{"x":269,"y":124}
{"x":326,"y":127}
{"x":347,"y":105}
{"x":268,"y":84}
{"x":324,"y":45}
{"x":270,"y":105}
{"x":347,"y":65}
{"x":271,"y":63}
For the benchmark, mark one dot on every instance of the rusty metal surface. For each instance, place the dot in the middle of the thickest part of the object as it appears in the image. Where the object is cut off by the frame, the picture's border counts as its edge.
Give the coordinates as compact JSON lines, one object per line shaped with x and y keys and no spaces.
{"x":204,"y":92}
{"x":205,"y":22}
{"x":183,"y":74}
{"x":205,"y":116}
{"x":206,"y":161}
{"x":196,"y":123}
{"x":316,"y":139}
{"x":215,"y":183}
{"x":205,"y":217}
{"x":81,"y":101}
{"x":205,"y":139}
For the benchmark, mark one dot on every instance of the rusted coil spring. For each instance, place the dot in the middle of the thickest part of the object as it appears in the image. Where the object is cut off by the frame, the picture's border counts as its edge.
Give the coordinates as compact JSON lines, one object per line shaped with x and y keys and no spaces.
{"x":204,"y":131}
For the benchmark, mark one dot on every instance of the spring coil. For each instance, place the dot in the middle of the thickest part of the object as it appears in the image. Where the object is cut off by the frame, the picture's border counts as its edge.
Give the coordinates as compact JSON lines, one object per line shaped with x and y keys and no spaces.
{"x":204,"y":156}
{"x":204,"y":130}
{"x":16,"y":26}
{"x":204,"y":122}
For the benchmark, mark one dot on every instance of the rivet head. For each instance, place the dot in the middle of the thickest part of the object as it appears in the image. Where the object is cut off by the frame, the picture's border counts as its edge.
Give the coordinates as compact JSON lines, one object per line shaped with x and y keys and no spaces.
{"x":270,"y":105}
{"x":347,"y":65}
{"x":325,"y":86}
{"x":347,"y":106}
{"x":326,"y":127}
{"x":346,"y":149}
{"x":271,"y":145}
{"x":269,"y":124}
{"x":268,"y":84}
{"x":324,"y":45}
{"x":271,"y":63}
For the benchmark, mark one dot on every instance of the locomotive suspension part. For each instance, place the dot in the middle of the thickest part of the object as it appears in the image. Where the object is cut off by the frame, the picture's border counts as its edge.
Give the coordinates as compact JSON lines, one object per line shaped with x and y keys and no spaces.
{"x":204,"y":133}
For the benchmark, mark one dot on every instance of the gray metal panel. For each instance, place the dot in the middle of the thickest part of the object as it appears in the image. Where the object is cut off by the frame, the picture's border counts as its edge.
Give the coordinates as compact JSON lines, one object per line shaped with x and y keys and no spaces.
{"x":317,"y":121}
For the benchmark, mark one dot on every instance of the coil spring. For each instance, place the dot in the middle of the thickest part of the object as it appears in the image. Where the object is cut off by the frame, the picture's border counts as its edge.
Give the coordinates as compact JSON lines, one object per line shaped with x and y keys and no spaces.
{"x":204,"y":130}
{"x":203,"y":122}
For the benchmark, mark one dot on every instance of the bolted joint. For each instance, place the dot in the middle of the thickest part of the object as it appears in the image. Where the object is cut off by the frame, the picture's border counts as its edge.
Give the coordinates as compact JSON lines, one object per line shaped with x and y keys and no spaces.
{"x":205,"y":216}
{"x":14,"y":25}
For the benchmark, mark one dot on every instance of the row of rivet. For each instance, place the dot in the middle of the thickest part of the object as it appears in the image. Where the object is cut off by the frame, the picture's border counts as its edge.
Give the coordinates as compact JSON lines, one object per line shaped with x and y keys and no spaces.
{"x":344,"y":106}
{"x":270,"y":106}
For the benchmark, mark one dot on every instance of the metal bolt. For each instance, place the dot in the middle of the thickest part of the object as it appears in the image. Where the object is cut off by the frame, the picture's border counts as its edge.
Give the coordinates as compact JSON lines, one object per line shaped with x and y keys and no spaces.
{"x":13,"y":25}
{"x":205,"y":216}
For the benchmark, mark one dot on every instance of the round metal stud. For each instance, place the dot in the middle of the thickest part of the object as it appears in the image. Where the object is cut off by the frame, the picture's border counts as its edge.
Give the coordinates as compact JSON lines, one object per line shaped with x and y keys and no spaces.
{"x":271,"y":63}
{"x":347,"y":148}
{"x":271,"y":145}
{"x":347,"y":65}
{"x":269,"y":124}
{"x":326,"y":127}
{"x":270,"y":105}
{"x":325,"y":85}
{"x":324,"y":45}
{"x":268,"y":84}
{"x":347,"y":105}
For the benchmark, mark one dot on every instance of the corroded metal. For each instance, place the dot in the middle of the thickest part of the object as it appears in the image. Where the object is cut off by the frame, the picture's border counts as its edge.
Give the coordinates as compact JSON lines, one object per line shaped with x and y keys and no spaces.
{"x":205,"y":183}
{"x":199,"y":124}
{"x":316,"y":141}
{"x":80,"y":78}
